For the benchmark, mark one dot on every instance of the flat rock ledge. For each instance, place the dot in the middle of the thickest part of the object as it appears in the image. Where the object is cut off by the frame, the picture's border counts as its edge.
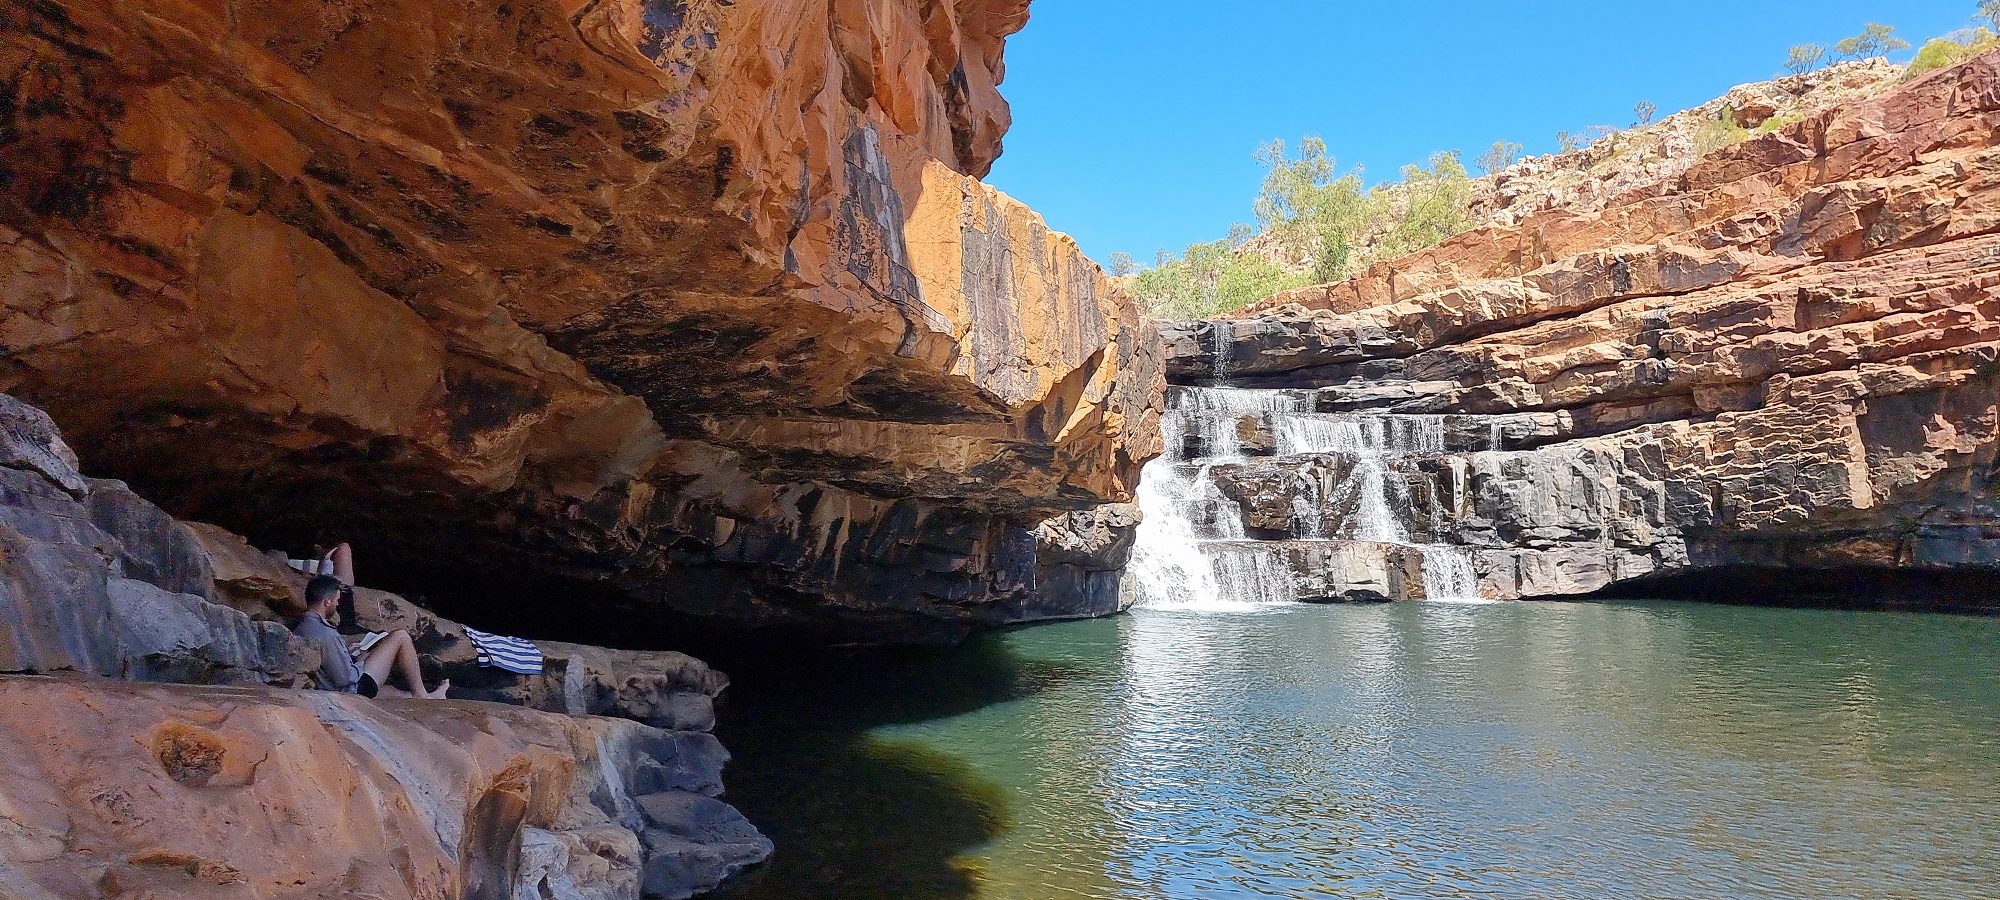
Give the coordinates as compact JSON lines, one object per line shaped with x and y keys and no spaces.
{"x":117,"y":788}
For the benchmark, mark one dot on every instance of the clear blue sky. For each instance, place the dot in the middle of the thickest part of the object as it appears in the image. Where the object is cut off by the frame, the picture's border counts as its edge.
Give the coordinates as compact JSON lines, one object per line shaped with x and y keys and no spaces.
{"x":1135,"y":120}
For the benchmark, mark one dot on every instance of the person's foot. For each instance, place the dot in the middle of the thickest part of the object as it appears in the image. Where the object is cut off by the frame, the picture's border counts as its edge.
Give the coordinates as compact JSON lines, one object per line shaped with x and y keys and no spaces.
{"x":438,"y":693}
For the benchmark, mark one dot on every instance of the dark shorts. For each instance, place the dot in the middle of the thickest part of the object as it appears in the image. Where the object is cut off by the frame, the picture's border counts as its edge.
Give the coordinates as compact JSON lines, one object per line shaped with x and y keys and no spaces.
{"x":366,"y":687}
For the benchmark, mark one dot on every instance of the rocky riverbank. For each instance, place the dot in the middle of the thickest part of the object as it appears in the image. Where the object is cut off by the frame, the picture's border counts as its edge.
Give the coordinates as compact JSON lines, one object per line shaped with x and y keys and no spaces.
{"x":575,"y":319}
{"x":233,"y":782}
{"x":1783,"y":358}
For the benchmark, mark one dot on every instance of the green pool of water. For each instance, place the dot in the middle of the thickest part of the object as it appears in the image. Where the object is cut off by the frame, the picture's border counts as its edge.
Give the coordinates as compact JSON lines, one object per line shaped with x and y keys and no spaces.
{"x":1632,"y":750}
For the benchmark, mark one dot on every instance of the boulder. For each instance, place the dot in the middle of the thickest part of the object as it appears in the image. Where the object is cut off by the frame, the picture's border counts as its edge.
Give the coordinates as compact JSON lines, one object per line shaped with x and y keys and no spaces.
{"x":173,"y":791}
{"x":95,"y":580}
{"x":1079,"y":567}
{"x":689,"y":836}
{"x":259,"y":584}
{"x":1753,"y":114}
{"x":30,"y":442}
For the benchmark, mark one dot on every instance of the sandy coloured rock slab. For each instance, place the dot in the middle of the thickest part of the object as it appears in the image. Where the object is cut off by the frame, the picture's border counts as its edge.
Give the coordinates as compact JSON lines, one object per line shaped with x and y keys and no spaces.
{"x":188,"y":792}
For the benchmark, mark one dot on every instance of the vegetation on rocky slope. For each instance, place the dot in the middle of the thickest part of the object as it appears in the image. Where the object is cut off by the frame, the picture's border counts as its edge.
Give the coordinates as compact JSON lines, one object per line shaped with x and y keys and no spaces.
{"x":1319,"y":225}
{"x":1316,"y":224}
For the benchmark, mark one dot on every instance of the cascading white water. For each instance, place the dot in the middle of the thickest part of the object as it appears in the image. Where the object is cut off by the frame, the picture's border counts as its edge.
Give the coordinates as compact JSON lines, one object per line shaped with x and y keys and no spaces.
{"x":1192,"y":552}
{"x":1251,"y":576}
{"x":1217,"y":414}
{"x":1370,"y":442}
{"x":1220,"y":333}
{"x":1307,"y":515}
{"x":1167,"y":555}
{"x":1449,"y":576}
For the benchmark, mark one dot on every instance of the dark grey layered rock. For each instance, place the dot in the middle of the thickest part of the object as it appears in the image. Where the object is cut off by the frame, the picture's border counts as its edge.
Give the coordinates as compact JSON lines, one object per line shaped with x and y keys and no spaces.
{"x":694,"y":841}
{"x":95,"y":580}
{"x":1079,"y":567}
{"x":1783,"y":359}
{"x":1846,"y":472}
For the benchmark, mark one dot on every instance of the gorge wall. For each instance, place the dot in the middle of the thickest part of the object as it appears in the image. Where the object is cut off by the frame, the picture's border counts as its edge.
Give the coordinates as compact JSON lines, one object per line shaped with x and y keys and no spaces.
{"x":651,"y":304}
{"x":1787,"y":356}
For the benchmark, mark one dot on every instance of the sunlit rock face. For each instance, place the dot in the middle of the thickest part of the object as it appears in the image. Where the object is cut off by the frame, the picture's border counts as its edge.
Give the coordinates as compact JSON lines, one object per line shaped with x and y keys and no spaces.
{"x":1784,"y":357}
{"x":178,"y":791}
{"x":690,"y":303}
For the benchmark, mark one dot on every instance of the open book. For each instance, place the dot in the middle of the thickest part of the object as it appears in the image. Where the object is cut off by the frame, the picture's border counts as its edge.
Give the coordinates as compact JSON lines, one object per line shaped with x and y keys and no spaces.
{"x":370,"y":640}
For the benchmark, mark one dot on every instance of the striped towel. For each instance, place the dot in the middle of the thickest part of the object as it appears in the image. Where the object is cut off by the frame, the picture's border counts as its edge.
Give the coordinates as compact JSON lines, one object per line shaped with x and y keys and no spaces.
{"x":512,"y":654}
{"x":312,"y":566}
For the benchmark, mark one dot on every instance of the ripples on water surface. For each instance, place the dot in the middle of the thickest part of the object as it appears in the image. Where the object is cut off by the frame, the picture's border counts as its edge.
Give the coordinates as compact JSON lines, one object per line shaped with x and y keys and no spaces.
{"x":1408,"y":750}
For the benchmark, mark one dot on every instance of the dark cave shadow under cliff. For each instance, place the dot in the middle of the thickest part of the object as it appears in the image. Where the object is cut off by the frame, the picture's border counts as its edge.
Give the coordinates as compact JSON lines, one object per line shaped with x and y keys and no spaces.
{"x":1907,"y":590}
{"x":853,"y":815}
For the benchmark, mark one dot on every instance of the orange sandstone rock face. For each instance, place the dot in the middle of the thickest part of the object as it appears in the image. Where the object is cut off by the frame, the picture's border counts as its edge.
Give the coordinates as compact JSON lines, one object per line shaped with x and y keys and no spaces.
{"x":1788,"y":356}
{"x":189,"y":792}
{"x":692,"y":301}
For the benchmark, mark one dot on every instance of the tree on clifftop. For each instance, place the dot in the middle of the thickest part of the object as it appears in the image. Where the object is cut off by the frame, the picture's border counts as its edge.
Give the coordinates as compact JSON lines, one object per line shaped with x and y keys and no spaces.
{"x":1318,"y":225}
{"x":1807,"y":57}
{"x":1990,"y":11}
{"x":1951,"y":49}
{"x":1504,"y":153}
{"x":1874,"y":40}
{"x":1122,"y":264}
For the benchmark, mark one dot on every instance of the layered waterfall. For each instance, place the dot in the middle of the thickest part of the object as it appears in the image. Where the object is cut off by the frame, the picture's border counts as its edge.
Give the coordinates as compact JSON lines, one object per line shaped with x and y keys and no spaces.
{"x":1192,"y":550}
{"x":1260,"y":499}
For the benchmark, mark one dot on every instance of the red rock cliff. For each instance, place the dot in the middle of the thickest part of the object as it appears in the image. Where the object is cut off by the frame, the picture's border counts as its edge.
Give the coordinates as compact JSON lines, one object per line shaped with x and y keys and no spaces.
{"x":687,"y":299}
{"x":1785,"y":358}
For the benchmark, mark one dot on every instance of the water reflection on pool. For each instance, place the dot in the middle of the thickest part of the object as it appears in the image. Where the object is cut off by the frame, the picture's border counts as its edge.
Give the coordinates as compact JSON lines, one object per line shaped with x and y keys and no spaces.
{"x":1641,"y":750}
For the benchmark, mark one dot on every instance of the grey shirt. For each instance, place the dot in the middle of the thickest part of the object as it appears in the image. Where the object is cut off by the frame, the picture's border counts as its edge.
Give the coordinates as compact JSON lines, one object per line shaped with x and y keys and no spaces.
{"x":337,"y":669}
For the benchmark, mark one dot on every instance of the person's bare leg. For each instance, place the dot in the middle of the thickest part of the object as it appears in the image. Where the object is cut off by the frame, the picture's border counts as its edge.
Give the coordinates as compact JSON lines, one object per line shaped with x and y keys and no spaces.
{"x":397,"y":654}
{"x":343,"y":564}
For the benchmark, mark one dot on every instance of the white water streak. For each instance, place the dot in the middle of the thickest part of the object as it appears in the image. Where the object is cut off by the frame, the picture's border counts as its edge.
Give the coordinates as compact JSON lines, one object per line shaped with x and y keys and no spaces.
{"x":1191,"y":551}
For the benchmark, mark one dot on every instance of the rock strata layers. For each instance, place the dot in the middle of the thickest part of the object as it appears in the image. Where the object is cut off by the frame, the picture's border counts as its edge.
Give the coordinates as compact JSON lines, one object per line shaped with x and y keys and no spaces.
{"x":1785,"y":356}
{"x":248,"y":787}
{"x":696,"y":304}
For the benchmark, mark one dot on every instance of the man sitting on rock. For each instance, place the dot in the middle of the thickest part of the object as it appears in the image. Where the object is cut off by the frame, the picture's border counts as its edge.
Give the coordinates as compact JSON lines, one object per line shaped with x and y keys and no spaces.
{"x":365,"y":669}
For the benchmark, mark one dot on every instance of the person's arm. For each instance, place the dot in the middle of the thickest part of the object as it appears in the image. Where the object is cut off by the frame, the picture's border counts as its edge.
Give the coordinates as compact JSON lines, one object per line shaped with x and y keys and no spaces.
{"x":337,"y":663}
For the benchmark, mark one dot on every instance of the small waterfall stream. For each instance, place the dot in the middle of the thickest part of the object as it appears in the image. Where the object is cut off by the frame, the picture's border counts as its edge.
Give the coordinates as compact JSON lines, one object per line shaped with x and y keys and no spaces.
{"x":1339,"y":480}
